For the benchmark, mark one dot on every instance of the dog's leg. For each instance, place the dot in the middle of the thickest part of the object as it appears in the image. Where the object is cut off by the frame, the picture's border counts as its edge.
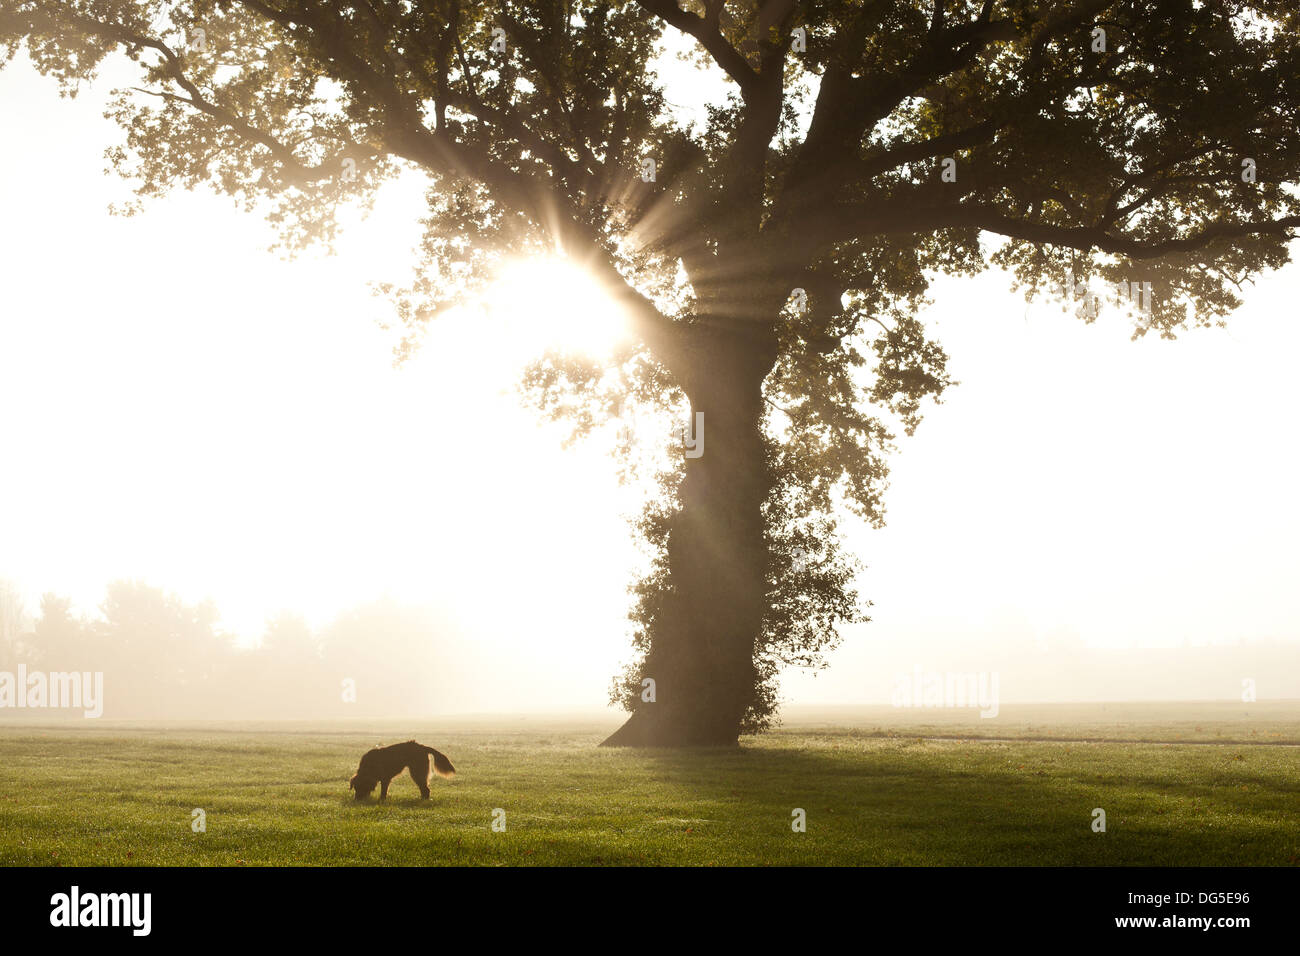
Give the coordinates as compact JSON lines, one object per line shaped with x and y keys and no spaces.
{"x":383,"y":791}
{"x":420,"y":774}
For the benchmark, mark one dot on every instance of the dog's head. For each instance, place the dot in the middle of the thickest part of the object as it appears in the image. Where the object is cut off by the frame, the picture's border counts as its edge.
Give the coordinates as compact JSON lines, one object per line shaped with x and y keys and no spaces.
{"x":363,"y":786}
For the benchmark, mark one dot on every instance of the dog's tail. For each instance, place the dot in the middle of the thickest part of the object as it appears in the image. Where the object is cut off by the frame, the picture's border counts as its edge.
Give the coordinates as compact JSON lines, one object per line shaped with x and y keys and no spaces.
{"x":441,"y":765}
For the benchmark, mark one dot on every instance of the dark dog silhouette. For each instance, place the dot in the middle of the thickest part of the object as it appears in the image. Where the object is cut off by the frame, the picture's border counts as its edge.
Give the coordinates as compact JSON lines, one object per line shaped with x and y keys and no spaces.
{"x":381,"y":765}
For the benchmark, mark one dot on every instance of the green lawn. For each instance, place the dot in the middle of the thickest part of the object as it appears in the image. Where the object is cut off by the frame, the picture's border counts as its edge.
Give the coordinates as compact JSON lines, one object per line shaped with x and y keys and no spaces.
{"x":101,"y":794}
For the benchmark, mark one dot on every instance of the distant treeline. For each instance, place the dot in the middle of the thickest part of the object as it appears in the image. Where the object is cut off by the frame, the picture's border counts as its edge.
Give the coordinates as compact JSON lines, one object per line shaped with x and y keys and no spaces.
{"x":162,"y":657}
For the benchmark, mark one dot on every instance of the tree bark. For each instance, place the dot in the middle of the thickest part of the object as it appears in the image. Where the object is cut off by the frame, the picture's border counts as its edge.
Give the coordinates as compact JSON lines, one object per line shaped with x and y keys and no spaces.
{"x":701,"y":655}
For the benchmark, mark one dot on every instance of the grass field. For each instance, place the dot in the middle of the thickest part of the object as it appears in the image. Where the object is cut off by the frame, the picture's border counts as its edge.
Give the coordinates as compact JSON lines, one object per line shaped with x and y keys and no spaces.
{"x":877,"y":786}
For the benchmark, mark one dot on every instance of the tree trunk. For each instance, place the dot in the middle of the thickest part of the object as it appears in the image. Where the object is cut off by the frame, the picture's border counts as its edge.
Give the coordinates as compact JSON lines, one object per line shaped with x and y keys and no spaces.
{"x":701,"y":655}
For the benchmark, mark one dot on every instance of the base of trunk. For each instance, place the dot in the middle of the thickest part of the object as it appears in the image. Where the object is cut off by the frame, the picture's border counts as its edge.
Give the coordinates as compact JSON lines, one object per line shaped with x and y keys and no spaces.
{"x":645,"y":728}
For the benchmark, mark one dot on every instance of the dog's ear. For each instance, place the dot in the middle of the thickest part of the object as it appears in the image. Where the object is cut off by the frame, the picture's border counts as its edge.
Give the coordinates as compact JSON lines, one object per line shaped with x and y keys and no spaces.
{"x":352,"y":784}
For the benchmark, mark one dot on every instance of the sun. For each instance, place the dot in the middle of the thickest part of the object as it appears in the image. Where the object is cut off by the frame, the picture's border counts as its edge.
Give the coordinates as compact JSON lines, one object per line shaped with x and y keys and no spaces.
{"x":552,"y":303}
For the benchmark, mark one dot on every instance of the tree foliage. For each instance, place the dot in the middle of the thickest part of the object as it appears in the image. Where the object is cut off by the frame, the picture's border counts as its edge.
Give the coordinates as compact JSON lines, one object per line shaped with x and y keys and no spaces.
{"x":1112,"y":141}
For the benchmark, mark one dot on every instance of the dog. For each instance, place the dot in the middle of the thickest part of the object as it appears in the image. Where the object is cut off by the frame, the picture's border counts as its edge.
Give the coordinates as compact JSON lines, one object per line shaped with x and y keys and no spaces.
{"x":382,"y":764}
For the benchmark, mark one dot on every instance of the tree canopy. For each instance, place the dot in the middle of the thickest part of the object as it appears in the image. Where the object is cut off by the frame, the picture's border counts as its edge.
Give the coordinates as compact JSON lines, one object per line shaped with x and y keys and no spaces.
{"x":773,"y":259}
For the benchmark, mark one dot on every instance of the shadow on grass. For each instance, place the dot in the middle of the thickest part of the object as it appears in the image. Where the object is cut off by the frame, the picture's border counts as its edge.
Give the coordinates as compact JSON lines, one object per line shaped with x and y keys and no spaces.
{"x":949,"y":804}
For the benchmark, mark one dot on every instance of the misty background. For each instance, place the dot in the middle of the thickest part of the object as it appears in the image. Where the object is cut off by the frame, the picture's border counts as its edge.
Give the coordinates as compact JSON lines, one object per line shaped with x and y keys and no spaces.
{"x":164,"y":658}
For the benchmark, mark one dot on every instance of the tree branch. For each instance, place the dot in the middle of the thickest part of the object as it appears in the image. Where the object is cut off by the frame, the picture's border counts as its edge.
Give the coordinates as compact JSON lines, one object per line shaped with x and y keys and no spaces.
{"x":707,"y":34}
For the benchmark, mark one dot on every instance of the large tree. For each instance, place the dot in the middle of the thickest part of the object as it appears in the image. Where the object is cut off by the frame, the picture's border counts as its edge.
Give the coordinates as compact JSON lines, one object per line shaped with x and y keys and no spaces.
{"x":771,"y":259}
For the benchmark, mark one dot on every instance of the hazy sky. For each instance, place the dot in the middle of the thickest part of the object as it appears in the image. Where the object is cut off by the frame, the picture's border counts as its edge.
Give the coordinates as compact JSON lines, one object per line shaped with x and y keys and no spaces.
{"x":182,"y":406}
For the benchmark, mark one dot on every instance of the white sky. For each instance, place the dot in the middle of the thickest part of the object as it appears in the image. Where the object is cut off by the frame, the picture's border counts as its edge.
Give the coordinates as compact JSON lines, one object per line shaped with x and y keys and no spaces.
{"x":181,"y":406}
